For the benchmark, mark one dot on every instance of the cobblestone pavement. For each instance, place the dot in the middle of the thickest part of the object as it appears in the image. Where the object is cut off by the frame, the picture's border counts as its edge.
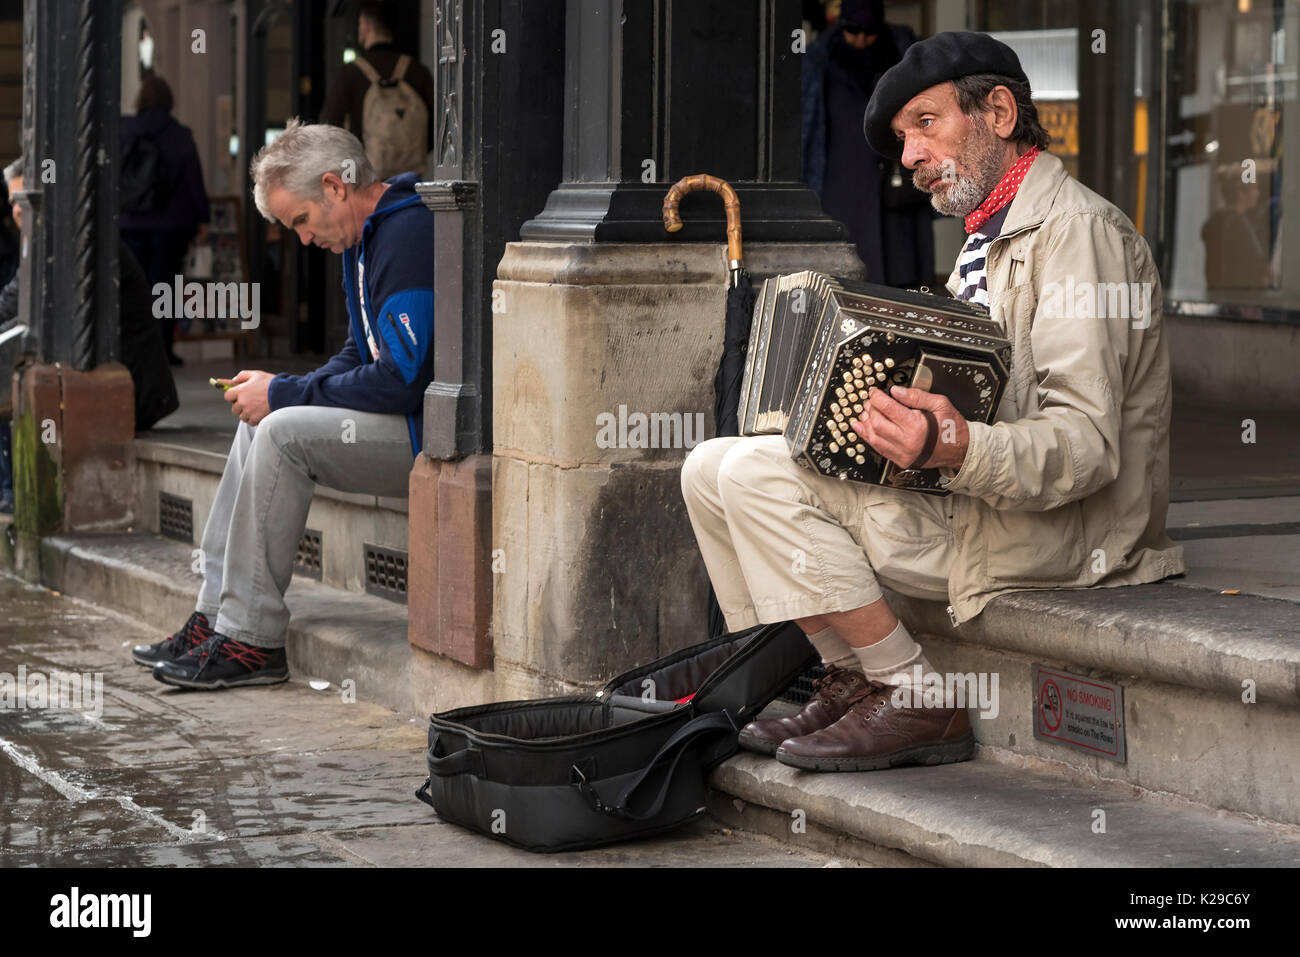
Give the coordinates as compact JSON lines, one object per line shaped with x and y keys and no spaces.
{"x":147,"y":775}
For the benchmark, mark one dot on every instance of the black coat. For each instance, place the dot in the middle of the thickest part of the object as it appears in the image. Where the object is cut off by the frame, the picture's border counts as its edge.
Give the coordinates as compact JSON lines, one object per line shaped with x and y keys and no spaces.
{"x":187,"y":203}
{"x":141,"y":343}
{"x":142,"y":349}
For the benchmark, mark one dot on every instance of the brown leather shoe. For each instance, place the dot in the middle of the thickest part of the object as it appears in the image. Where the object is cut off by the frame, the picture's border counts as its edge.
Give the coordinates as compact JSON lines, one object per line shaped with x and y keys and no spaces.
{"x":830,"y":699}
{"x":873,"y":734}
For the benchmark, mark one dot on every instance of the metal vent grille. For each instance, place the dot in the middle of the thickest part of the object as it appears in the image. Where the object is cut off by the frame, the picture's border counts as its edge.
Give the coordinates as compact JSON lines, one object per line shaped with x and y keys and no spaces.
{"x":176,"y":517}
{"x":307,"y":561}
{"x":802,"y":689}
{"x":385,"y":572}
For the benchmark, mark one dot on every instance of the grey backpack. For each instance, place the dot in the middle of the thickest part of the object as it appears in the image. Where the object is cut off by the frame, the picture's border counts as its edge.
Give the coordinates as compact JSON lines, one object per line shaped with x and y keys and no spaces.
{"x":394,"y":121}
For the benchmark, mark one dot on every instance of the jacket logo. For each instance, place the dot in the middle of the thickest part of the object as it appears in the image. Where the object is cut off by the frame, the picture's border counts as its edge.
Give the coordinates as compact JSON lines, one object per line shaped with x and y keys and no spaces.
{"x":406,"y":321}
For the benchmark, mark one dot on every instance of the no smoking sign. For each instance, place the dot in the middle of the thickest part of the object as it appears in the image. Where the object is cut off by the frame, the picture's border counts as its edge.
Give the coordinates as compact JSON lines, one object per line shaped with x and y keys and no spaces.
{"x":1080,"y":712}
{"x":1049,"y":705}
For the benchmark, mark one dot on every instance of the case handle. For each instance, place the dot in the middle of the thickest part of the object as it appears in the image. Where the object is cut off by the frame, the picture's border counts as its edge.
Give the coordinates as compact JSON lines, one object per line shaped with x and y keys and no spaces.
{"x":672,"y":751}
{"x":463,"y":761}
{"x":706,"y":724}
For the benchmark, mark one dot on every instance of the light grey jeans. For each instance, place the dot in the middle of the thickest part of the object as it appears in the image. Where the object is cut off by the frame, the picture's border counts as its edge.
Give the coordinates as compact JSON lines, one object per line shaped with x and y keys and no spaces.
{"x":260,"y":511}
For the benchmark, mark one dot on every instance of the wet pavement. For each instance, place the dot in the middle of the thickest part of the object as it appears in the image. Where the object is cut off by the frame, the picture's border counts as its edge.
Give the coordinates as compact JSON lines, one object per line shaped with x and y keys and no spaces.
{"x":145,"y":775}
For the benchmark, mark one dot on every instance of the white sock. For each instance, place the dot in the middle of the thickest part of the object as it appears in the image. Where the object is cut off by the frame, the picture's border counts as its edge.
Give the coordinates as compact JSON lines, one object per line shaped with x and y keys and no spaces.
{"x":835,"y":651}
{"x":893,"y":659}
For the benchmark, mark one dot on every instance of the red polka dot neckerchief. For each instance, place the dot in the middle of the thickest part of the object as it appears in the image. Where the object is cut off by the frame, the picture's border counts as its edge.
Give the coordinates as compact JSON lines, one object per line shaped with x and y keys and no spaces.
{"x":1003,"y":193}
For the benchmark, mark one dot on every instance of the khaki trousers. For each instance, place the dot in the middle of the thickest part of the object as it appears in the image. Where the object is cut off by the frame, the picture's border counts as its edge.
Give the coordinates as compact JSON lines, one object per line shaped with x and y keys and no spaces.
{"x":781,"y":542}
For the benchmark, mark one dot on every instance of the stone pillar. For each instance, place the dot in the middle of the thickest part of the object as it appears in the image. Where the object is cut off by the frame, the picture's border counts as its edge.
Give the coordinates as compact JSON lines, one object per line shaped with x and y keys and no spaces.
{"x":599,"y":568}
{"x":604,"y":319}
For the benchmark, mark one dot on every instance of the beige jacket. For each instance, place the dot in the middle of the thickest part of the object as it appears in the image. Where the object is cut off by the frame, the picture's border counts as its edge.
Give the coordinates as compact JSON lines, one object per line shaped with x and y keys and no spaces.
{"x":1068,"y":487}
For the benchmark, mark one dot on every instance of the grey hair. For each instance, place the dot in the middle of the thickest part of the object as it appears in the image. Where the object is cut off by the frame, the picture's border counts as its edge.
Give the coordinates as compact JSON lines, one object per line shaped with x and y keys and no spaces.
{"x":973,"y":94}
{"x":301,"y":155}
{"x":14,"y":170}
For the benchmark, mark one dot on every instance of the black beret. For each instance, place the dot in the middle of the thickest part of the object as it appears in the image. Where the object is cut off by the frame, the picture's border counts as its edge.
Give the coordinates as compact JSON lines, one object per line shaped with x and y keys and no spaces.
{"x":937,"y":59}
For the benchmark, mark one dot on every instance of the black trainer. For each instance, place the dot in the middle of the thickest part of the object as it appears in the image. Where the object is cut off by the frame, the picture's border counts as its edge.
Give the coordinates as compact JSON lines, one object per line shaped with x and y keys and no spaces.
{"x":196,"y":631}
{"x":222,"y":662}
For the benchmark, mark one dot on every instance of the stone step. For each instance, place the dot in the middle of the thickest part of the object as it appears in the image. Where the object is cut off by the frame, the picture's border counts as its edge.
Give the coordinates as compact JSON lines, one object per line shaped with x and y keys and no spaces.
{"x":1193,"y":748}
{"x":1211,"y":686}
{"x":345,"y":522}
{"x":983,"y":813}
{"x":334,"y":635}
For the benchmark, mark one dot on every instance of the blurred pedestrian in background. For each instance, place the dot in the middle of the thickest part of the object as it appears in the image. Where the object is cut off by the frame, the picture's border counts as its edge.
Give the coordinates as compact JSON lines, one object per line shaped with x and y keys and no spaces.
{"x":889,"y":220}
{"x":384,"y":97}
{"x":13,"y":176}
{"x":140,"y":344}
{"x":164,"y":205}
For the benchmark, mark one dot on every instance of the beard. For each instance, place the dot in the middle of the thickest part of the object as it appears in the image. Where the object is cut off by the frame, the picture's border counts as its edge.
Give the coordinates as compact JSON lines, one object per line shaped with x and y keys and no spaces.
{"x":979,"y":167}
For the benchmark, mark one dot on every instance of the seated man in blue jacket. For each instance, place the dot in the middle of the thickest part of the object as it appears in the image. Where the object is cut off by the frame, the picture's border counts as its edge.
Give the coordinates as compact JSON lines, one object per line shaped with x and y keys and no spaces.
{"x":354,"y":424}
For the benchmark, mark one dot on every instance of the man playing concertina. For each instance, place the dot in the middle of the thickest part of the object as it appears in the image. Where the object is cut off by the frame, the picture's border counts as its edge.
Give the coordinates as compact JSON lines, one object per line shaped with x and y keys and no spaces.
{"x":355,"y":424}
{"x":1067,"y":487}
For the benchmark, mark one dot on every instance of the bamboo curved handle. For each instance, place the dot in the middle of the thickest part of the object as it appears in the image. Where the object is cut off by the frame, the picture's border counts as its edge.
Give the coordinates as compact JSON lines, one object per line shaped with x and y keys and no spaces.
{"x":730,"y":202}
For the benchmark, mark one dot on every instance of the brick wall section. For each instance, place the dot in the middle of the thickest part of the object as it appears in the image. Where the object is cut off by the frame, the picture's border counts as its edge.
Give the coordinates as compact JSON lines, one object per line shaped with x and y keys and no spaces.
{"x":73,"y":465}
{"x":97,"y":430}
{"x":449,"y":587}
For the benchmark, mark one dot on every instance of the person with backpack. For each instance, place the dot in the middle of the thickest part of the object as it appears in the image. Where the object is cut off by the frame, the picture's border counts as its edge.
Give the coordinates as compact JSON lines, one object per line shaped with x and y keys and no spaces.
{"x":140,"y":343}
{"x":384,"y":97}
{"x":164,"y":205}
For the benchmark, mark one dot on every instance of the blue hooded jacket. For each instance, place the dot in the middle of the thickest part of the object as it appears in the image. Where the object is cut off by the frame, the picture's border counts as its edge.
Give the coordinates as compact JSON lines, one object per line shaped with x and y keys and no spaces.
{"x":388,"y":282}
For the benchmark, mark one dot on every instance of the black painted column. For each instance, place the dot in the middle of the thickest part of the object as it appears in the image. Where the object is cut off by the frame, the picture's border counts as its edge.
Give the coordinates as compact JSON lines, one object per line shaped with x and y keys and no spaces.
{"x":498,"y":134}
{"x":257,"y":17}
{"x":1106,"y":101}
{"x":71,"y":68}
{"x":454,"y":412}
{"x":74,"y":413}
{"x":660,"y":89}
{"x":498,"y":122}
{"x":454,"y":401}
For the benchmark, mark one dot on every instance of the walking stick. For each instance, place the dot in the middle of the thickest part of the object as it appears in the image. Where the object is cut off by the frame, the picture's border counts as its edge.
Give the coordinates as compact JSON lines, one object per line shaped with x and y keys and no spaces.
{"x":730,"y":202}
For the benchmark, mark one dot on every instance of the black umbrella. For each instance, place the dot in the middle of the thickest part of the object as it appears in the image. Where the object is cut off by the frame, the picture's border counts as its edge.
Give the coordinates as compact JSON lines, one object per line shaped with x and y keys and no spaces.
{"x":736,"y":323}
